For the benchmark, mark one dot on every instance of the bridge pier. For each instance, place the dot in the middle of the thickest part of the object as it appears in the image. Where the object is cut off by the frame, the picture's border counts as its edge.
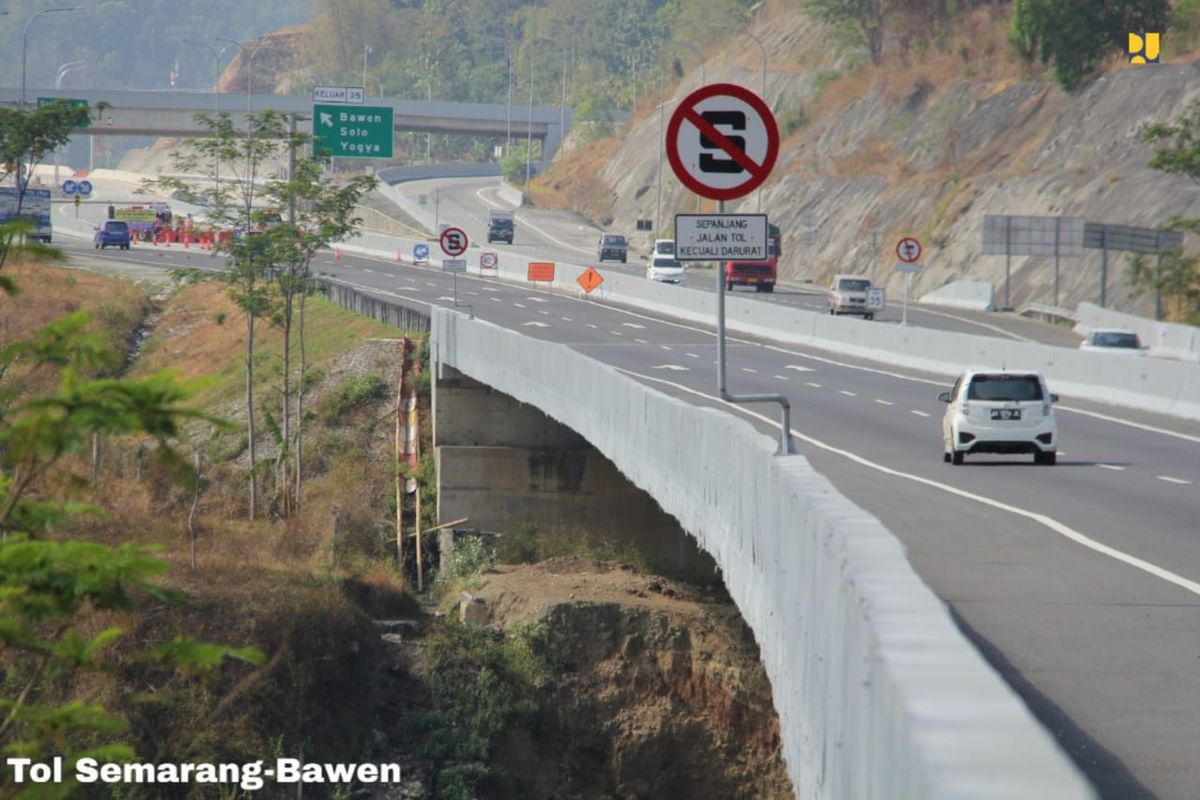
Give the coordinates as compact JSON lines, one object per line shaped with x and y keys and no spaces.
{"x":510,"y":468}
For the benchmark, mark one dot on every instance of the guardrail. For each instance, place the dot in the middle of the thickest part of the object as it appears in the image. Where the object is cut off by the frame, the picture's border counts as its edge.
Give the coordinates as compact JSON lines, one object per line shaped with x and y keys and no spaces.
{"x":879,"y":694}
{"x":395,"y":314}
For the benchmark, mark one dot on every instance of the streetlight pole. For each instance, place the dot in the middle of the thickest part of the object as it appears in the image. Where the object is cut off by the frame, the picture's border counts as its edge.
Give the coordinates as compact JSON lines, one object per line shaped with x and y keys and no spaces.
{"x":249,"y":67}
{"x":529,"y":116}
{"x":63,"y":71}
{"x":216,"y":54}
{"x":25,"y":43}
{"x":366,"y":52}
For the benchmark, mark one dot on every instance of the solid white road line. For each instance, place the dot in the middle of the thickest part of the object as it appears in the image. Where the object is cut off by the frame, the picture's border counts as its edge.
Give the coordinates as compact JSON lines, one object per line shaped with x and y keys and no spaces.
{"x":1115,"y":467}
{"x":781,"y":377}
{"x":640,"y":341}
{"x":918,"y":413}
{"x":616,"y":333}
{"x":848,"y":394}
{"x":884,"y":402}
{"x":566,"y":319}
{"x":814,"y":385}
{"x":691,"y":355}
{"x":1061,"y":529}
{"x":747,"y":369}
{"x":519,"y":305}
{"x":593,"y":327}
{"x":665,"y":346}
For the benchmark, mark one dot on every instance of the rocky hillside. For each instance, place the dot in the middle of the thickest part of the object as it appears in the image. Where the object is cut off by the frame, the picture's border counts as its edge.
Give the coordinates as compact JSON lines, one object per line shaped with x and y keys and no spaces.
{"x":940,"y":135}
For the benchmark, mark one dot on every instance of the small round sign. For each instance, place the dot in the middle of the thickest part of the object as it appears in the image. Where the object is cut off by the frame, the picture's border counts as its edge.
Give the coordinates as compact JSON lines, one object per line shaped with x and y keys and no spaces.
{"x":908,"y":250}
{"x":722,"y":141}
{"x":85,"y":188}
{"x":420,"y":252}
{"x":453,"y":242}
{"x":488,"y":260}
{"x":70,"y":187}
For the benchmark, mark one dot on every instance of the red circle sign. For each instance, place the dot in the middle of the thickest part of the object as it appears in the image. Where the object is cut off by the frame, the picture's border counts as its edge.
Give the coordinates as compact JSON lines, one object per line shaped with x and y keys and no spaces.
{"x":453,"y":242}
{"x":908,"y":250}
{"x":722,"y":141}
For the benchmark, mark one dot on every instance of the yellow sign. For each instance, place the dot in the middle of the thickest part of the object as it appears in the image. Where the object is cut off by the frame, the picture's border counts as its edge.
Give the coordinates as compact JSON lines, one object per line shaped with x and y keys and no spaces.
{"x":134,"y":214}
{"x":590,"y":279}
{"x":1144,"y":48}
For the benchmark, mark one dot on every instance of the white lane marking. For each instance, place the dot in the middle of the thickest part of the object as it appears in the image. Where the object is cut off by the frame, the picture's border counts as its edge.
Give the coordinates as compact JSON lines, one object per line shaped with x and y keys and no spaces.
{"x":691,"y":355}
{"x":1169,"y":479}
{"x":1058,"y":407}
{"x":368,"y":269}
{"x":884,"y":402}
{"x":848,"y":394}
{"x":672,"y":367}
{"x":919,"y":413}
{"x":519,"y":305}
{"x":446,"y":297}
{"x":488,"y":289}
{"x":546,"y":313}
{"x":593,"y":327}
{"x":473,"y":294}
{"x":1114,"y":467}
{"x":1058,"y":527}
{"x":780,"y":377}
{"x":665,"y":346}
{"x":495,"y":299}
{"x":536,"y":299}
{"x":566,"y":319}
{"x":616,"y":333}
{"x":814,"y":385}
{"x":640,"y":341}
{"x":536,"y":324}
{"x":430,"y":283}
{"x":632,"y":325}
{"x":747,"y":369}
{"x":799,"y":368}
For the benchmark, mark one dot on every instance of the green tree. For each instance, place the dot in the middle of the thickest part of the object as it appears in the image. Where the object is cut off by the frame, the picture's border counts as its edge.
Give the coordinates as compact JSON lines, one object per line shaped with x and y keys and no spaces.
{"x":860,"y":21}
{"x":1076,"y":35}
{"x":48,"y":584}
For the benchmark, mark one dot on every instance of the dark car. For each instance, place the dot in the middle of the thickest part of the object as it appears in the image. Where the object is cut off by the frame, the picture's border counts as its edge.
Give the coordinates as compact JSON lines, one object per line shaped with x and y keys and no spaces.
{"x":613,"y":246}
{"x":113,"y":233}
{"x":500,"y":229}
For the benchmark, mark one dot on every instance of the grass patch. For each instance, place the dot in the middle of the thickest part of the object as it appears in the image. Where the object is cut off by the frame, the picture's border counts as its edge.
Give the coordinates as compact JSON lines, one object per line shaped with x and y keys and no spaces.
{"x":530,"y":544}
{"x":355,"y":391}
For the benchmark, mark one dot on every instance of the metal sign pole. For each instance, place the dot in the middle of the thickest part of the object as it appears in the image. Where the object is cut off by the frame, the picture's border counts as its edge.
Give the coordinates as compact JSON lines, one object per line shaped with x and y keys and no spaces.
{"x":904,"y":314}
{"x":1103,"y":265}
{"x":1057,"y":227}
{"x":1008,"y":260}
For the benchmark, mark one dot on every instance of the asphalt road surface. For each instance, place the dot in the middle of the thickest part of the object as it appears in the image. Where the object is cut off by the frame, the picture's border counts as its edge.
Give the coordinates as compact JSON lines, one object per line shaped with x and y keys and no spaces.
{"x":1079,"y":582}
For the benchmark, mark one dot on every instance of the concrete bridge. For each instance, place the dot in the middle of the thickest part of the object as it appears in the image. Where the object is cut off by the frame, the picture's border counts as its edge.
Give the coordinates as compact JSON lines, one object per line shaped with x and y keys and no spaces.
{"x":157,"y":113}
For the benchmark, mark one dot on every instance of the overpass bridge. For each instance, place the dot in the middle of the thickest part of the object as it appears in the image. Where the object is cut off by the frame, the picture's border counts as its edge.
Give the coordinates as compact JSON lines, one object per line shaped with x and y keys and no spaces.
{"x":158,"y":113}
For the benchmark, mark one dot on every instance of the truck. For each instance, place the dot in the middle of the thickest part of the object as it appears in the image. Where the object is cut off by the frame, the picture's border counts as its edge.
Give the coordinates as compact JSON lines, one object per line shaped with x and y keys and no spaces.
{"x":35,"y":208}
{"x":759,"y":274}
{"x":500,"y":226}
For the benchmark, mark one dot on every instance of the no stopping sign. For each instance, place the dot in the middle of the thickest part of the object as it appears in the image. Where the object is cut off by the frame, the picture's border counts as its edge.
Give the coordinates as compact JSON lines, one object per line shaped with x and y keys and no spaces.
{"x":722,"y":141}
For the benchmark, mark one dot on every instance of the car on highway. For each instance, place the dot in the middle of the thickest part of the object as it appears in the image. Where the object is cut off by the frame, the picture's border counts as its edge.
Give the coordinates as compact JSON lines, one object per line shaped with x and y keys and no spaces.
{"x":848,"y":295}
{"x":113,"y":233}
{"x":1113,"y":340}
{"x":665,"y":269}
{"x":613,"y":246}
{"x":999,"y":412}
{"x":664,"y":247}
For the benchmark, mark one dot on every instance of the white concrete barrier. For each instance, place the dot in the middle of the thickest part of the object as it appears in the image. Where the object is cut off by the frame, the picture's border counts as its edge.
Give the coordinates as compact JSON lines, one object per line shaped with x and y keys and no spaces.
{"x":880,"y":697}
{"x":974,"y":295}
{"x":510,"y":194}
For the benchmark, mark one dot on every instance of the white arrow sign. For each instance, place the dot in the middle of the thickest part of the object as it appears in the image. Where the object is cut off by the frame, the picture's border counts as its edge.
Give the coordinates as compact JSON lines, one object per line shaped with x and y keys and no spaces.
{"x":327,"y":119}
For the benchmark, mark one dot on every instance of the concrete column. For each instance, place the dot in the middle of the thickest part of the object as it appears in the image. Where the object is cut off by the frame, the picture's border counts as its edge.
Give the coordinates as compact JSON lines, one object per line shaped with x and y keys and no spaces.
{"x":510,"y":469}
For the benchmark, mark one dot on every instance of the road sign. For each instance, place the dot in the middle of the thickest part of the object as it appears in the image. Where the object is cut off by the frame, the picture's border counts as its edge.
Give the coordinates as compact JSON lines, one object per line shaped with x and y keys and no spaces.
{"x":360,"y":132}
{"x":876,"y":299}
{"x":722,"y":141}
{"x":73,"y":102}
{"x":421,"y":253}
{"x":908,"y":249}
{"x":541,"y":271}
{"x":454,"y":265}
{"x":721,"y":237}
{"x":69,"y":187}
{"x":338,"y":94}
{"x":590,"y":279}
{"x":84,"y":188}
{"x":453,"y":242}
{"x":489,"y":261}
{"x":908,"y":268}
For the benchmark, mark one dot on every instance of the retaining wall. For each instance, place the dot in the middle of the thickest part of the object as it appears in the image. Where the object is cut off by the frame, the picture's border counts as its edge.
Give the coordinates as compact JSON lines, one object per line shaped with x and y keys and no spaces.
{"x":879,"y":695}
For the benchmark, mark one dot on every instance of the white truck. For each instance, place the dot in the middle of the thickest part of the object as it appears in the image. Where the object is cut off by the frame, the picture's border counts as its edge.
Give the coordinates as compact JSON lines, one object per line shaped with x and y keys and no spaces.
{"x":35,"y":207}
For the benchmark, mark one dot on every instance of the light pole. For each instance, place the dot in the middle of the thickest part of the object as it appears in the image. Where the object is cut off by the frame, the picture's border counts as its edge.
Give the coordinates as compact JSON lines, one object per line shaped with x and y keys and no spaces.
{"x":249,"y":66}
{"x":63,"y":71}
{"x":216,"y":54}
{"x":529,"y":115}
{"x":366,"y":52}
{"x":25,"y":42}
{"x":762,"y":51}
{"x":662,"y":102}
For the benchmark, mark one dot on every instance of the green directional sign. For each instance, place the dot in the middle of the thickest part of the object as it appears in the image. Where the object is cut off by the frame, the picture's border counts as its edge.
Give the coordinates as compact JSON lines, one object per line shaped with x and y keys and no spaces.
{"x":74,"y":102}
{"x":352,"y":131}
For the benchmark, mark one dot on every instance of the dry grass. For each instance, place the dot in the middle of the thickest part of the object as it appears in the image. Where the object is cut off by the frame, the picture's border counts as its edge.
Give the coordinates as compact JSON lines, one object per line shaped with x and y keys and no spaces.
{"x":49,"y":292}
{"x":574,"y":181}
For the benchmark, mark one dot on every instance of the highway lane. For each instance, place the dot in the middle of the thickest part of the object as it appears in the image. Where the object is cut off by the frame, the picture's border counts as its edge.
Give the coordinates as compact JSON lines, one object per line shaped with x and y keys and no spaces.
{"x":1106,"y":653}
{"x":565,"y":237}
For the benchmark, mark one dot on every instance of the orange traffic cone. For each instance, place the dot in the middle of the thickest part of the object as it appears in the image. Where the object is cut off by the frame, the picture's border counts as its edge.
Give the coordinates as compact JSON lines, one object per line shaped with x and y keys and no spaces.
{"x":337,"y":254}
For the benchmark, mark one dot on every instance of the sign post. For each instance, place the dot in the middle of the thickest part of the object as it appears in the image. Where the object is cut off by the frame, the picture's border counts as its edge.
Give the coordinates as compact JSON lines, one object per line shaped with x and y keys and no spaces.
{"x":722,"y":142}
{"x":453,"y":242}
{"x":908,"y":250}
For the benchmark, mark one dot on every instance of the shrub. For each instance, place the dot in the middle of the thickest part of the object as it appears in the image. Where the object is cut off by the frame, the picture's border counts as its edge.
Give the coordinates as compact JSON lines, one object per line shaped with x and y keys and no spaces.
{"x":355,"y":391}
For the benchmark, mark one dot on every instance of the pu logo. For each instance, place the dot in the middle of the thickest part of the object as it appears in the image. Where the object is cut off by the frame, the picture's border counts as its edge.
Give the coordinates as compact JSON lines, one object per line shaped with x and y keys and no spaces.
{"x":1143,"y":48}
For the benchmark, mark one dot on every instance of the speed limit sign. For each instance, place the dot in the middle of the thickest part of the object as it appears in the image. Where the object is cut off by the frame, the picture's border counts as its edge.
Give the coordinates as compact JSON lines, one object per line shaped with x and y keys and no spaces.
{"x":489,"y":260}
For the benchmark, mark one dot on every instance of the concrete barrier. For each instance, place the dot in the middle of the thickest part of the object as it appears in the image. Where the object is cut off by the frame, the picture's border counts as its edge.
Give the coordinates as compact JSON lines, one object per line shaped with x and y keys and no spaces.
{"x":510,"y":194}
{"x":879,"y":694}
{"x":1165,"y":339}
{"x":974,"y":295}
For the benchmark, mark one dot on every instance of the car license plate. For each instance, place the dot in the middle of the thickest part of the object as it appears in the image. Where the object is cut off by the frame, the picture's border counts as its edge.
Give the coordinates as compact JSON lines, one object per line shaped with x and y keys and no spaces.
{"x":1006,"y":413}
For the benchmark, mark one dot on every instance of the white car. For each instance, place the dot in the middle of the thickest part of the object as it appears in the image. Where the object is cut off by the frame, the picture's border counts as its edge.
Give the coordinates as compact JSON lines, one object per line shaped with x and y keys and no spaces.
{"x":999,"y":412}
{"x":665,"y":269}
{"x":664,"y":247}
{"x":1113,"y":340}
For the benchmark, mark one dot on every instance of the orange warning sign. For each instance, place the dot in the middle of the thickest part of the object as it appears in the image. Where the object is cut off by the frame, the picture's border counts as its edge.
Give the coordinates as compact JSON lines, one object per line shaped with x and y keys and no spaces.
{"x":590,"y":279}
{"x":541,"y":271}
